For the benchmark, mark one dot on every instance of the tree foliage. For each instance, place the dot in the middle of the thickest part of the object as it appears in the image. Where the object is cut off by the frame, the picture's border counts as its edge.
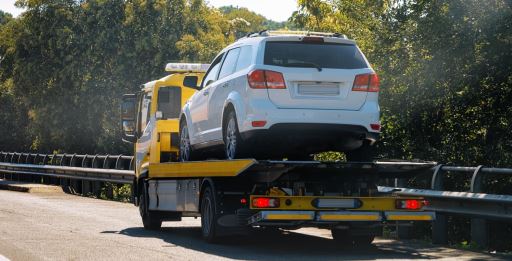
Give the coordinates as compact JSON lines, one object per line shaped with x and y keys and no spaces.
{"x":444,"y":68}
{"x":65,"y":64}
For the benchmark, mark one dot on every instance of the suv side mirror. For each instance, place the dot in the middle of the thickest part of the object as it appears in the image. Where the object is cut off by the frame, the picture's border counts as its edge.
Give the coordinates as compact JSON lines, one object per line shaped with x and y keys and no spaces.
{"x":128,"y":116}
{"x":191,"y":82}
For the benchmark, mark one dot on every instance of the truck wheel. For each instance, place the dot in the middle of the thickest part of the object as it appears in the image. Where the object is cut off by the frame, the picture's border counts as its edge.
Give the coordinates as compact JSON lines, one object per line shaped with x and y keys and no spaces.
{"x":365,"y":153}
{"x":185,"y":147}
{"x":209,"y":216}
{"x":233,"y":144}
{"x":150,"y":219}
{"x":344,"y":237}
{"x":341,"y":236}
{"x":363,"y":240}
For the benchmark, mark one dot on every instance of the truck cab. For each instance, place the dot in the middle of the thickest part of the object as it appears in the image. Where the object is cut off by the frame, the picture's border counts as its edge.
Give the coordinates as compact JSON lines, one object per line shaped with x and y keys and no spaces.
{"x":150,"y":117}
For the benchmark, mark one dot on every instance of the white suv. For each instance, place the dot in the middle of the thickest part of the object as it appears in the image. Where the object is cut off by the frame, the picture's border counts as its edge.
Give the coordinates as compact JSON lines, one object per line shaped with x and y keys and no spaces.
{"x":284,"y":95}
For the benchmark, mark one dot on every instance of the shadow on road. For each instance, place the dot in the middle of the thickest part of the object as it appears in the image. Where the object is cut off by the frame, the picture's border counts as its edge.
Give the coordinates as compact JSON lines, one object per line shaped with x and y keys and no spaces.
{"x":274,"y":245}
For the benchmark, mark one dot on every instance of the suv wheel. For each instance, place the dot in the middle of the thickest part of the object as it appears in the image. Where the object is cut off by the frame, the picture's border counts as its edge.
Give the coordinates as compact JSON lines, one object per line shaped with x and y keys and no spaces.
{"x":185,"y":148}
{"x":233,"y":144}
{"x":365,"y":153}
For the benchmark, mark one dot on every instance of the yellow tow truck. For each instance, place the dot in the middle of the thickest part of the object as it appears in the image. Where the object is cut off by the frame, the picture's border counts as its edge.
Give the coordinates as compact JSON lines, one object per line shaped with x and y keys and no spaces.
{"x":236,"y":196}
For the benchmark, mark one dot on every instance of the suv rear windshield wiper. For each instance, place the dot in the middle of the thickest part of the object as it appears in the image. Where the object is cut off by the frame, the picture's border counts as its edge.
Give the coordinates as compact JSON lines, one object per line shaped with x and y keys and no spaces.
{"x":304,"y":64}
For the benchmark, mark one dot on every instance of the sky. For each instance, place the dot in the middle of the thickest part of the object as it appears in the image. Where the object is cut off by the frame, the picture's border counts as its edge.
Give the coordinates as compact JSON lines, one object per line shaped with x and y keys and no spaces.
{"x":277,"y":10}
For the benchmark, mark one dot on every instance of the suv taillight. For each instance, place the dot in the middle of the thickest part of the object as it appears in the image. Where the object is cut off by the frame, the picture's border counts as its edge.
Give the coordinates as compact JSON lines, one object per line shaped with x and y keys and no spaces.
{"x":264,"y":79}
{"x":368,"y":82}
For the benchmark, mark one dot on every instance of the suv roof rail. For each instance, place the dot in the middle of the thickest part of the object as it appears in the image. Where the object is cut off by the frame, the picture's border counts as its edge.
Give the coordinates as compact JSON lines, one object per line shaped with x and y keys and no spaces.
{"x":286,"y":32}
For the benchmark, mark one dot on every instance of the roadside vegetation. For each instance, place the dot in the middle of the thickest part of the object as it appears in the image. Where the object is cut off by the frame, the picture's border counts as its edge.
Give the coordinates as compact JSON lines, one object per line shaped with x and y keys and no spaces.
{"x":445,"y":68}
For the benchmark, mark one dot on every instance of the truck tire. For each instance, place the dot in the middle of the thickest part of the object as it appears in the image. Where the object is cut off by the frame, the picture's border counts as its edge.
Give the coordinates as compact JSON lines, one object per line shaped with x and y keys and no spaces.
{"x":344,"y":237}
{"x":150,"y":219}
{"x":233,"y":144}
{"x":209,"y":216}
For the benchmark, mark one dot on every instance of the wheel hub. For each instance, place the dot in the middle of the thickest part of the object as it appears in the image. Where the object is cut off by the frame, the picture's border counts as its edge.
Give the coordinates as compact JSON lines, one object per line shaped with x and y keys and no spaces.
{"x":231,"y":139}
{"x":184,"y":145}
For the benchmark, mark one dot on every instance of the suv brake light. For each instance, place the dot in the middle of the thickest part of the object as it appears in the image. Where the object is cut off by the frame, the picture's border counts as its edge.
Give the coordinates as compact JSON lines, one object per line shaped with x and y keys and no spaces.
{"x":368,"y":82}
{"x":264,"y":79}
{"x":311,"y":39}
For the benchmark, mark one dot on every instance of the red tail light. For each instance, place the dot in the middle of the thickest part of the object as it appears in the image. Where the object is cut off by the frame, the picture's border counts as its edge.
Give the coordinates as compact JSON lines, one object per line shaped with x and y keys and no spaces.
{"x":368,"y":82}
{"x":265,"y":202}
{"x":374,"y":83}
{"x":257,"y":79}
{"x":411,"y":204}
{"x":258,"y":123}
{"x":375,"y":126}
{"x":264,"y":79}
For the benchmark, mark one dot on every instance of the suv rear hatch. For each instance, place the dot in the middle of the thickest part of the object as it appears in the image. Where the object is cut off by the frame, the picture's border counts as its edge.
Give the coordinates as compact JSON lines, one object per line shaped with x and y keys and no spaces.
{"x":318,"y":74}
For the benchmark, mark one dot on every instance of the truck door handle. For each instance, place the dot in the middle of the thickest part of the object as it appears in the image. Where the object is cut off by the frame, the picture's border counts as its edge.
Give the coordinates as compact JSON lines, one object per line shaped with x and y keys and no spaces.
{"x":206,"y":93}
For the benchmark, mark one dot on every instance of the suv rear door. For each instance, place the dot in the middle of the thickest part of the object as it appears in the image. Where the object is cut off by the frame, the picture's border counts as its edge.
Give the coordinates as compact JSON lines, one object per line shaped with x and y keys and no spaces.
{"x":318,"y":74}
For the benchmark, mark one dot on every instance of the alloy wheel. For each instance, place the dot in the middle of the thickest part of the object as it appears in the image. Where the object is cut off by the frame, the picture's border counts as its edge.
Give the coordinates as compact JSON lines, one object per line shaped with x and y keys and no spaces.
{"x":231,"y":139}
{"x":184,"y":144}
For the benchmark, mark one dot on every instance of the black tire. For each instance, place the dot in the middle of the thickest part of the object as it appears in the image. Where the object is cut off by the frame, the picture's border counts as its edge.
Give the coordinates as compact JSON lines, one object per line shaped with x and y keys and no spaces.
{"x":186,"y":152}
{"x":345,"y":238}
{"x":150,"y":219}
{"x":363,"y":240}
{"x":233,"y":144}
{"x":365,"y":153}
{"x":341,"y":236}
{"x":209,"y":216}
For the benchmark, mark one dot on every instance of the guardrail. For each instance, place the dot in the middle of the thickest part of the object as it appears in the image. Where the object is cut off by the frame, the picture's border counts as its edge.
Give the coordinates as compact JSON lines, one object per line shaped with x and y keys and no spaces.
{"x":480,"y":206}
{"x":80,"y":174}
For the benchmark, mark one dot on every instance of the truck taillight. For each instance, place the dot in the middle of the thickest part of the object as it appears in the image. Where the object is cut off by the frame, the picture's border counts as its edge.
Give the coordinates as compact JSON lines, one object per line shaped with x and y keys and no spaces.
{"x":411,"y":204}
{"x":368,"y":82}
{"x":265,"y":79}
{"x":265,"y":202}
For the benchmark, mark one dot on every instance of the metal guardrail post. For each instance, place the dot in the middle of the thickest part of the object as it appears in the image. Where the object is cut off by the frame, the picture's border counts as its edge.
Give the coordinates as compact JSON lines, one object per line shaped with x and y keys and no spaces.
{"x":479,"y":226}
{"x":439,"y":226}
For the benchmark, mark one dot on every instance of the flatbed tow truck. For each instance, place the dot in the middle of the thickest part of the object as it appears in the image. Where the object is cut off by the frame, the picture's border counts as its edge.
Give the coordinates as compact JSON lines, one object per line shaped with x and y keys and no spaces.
{"x":236,"y":196}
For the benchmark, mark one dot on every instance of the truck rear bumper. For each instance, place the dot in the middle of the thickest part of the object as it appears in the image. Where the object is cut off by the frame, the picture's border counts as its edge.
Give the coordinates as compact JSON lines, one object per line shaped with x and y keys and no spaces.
{"x":339,"y":216}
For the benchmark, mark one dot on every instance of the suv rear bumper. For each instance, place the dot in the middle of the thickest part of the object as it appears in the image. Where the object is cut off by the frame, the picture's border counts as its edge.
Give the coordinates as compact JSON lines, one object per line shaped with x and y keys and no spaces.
{"x":309,"y":137}
{"x":264,"y":110}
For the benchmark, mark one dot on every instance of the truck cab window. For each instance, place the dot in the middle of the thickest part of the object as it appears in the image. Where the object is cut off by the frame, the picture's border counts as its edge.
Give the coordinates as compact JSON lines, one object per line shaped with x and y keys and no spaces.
{"x":145,"y":112}
{"x":169,"y":102}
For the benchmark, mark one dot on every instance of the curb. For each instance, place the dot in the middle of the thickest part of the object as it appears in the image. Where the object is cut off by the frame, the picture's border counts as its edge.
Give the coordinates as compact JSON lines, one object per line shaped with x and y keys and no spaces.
{"x":28,"y":187}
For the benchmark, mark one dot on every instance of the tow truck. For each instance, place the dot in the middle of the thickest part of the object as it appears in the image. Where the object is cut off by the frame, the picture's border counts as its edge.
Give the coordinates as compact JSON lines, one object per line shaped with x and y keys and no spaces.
{"x":237,"y":196}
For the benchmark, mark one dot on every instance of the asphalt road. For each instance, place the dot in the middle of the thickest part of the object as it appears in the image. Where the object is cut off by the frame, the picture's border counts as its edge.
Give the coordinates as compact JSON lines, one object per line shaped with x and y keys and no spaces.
{"x":59,"y":226}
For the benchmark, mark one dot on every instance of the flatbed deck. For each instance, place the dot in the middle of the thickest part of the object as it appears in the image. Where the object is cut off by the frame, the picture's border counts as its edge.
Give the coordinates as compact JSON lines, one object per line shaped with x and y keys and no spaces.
{"x":269,"y":170}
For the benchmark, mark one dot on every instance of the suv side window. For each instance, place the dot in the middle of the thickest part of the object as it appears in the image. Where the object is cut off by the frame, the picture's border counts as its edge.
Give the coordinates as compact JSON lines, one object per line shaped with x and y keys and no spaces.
{"x":213,"y":71}
{"x":228,"y":66}
{"x":245,"y":58}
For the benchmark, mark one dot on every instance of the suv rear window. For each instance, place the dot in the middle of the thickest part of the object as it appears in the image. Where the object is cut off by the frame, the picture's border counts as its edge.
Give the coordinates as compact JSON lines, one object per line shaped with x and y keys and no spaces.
{"x":323,"y":55}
